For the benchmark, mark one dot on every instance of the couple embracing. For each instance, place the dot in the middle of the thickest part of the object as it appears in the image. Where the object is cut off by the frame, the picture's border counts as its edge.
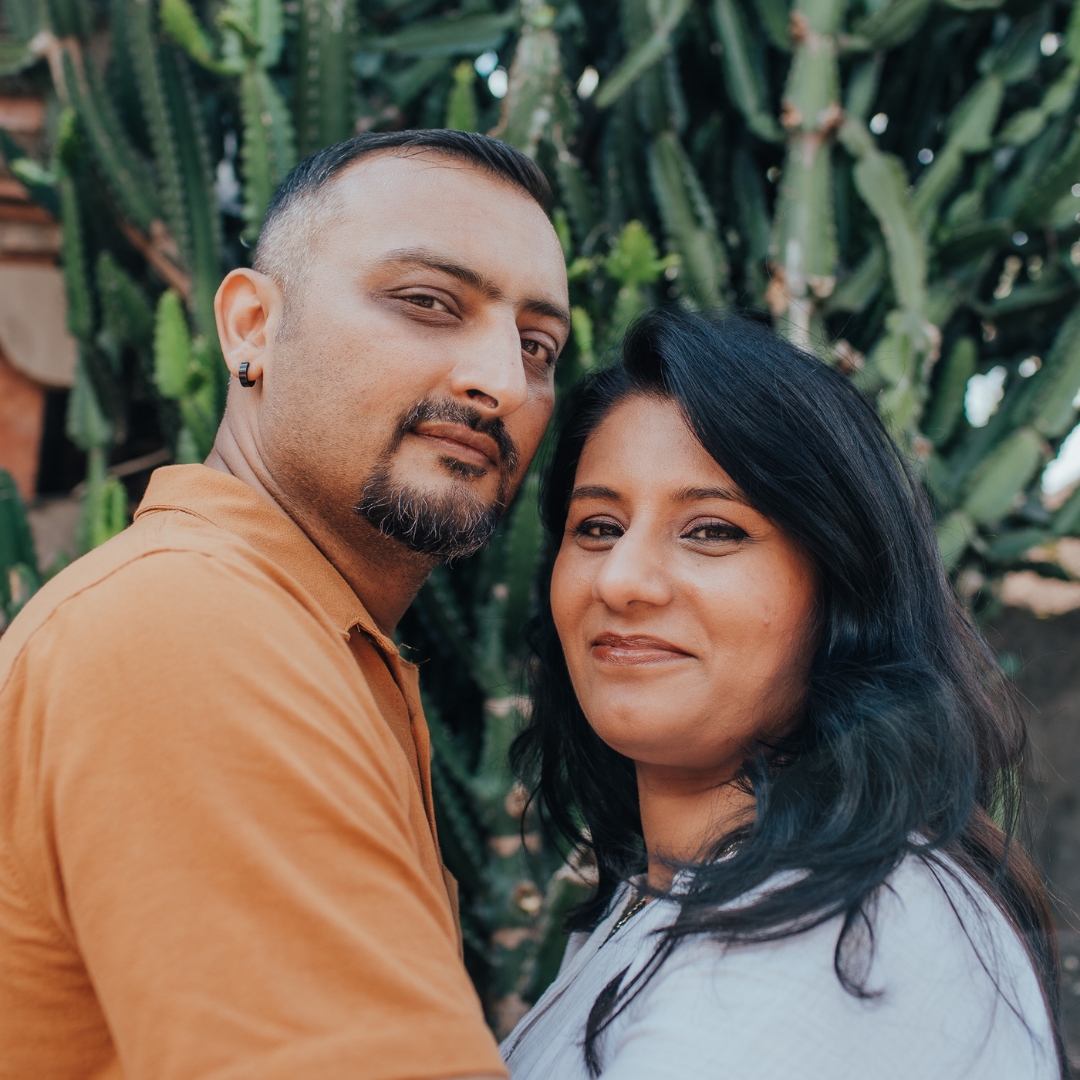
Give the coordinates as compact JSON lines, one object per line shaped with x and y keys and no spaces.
{"x":758,"y":706}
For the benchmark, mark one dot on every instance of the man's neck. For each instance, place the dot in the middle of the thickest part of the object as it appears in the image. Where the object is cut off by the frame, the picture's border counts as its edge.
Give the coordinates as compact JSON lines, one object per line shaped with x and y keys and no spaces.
{"x":384,"y":575}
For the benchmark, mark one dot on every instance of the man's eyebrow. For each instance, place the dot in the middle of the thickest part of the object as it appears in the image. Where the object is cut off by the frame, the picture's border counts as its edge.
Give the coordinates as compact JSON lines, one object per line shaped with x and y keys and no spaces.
{"x":593,"y":491}
{"x":545,"y":307}
{"x":430,"y":260}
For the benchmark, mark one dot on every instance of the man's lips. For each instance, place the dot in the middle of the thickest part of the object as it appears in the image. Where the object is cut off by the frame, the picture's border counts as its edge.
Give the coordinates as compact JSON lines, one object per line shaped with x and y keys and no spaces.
{"x":460,"y":442}
{"x":634,"y":649}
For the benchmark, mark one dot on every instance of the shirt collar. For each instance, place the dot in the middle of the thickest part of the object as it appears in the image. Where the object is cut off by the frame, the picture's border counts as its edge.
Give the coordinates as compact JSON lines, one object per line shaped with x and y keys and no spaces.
{"x":230,"y":504}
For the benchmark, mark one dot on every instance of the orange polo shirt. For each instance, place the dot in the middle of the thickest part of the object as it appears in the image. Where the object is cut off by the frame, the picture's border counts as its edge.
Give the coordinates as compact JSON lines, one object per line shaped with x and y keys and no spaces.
{"x":217,"y":846}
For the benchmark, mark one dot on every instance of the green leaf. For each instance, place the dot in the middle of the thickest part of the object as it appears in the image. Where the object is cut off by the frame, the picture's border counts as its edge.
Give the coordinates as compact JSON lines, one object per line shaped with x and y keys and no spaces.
{"x":688,"y":222}
{"x":643,"y":55}
{"x":775,"y":16}
{"x":529,"y":105}
{"x":1067,"y":518}
{"x":969,"y":242}
{"x":461,"y":111}
{"x":633,"y":259}
{"x":172,"y":347}
{"x":124,"y":170}
{"x":87,"y":425}
{"x":202,"y":223}
{"x":968,"y":130}
{"x":576,"y":191}
{"x":1056,"y":385}
{"x":80,"y":304}
{"x":893,"y":24}
{"x":1053,"y":185}
{"x":954,"y":534}
{"x":268,"y":150}
{"x":181,"y":24}
{"x":584,"y":340}
{"x":451,"y":36}
{"x":859,"y":288}
{"x":253,"y":32}
{"x":16,"y":542}
{"x":323,"y":98}
{"x":25,"y":18}
{"x":1003,"y":476}
{"x":948,"y":401}
{"x":742,"y":65}
{"x":126,"y":313}
{"x":32,"y":172}
{"x":883,"y":185}
{"x":15,"y":57}
{"x":524,"y":540}
{"x":143,"y":43}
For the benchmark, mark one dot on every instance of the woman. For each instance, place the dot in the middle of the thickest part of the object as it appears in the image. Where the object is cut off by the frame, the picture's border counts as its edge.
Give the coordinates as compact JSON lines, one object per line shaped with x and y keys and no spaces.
{"x":761,"y":711}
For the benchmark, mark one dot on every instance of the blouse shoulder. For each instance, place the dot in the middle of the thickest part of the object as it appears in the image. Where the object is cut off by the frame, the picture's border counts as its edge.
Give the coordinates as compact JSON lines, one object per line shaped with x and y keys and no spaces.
{"x":949,"y":991}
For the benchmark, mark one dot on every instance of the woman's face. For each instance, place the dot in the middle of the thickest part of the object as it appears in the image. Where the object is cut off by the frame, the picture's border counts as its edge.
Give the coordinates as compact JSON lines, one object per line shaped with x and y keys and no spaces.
{"x":686,"y":617}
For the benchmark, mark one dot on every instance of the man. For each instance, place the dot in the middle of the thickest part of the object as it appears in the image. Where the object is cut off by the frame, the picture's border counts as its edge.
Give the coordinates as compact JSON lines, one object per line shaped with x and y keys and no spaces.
{"x":217,"y":849}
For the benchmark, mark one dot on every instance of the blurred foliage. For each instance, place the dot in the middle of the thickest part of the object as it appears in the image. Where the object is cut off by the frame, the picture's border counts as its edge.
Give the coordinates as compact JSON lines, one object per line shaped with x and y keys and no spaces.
{"x":891,"y":182}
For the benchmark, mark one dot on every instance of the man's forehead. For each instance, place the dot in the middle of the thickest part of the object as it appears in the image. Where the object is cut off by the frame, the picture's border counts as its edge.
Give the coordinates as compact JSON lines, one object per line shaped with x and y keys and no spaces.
{"x":432,"y":208}
{"x":396,"y":174}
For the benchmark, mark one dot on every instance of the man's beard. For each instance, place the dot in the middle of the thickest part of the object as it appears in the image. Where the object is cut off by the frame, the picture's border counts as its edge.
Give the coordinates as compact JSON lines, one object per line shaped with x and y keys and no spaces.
{"x":447,"y":526}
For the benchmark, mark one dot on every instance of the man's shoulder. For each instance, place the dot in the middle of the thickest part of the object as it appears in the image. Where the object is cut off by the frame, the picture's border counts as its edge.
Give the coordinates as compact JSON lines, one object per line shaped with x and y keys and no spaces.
{"x":160,"y":574}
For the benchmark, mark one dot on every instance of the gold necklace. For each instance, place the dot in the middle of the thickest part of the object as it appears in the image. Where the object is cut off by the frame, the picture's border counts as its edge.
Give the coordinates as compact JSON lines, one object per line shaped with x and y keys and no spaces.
{"x":626,"y":916}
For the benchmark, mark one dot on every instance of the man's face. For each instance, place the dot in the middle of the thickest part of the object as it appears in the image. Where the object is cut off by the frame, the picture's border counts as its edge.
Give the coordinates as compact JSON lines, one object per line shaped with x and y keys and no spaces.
{"x":414,"y":380}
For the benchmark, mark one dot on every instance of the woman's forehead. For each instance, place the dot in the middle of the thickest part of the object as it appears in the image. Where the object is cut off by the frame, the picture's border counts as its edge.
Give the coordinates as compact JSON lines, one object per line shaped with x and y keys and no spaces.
{"x":645,"y":438}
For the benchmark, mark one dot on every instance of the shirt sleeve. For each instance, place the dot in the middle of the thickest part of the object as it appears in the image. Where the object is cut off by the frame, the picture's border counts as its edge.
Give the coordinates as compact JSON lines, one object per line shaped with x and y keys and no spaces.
{"x":227,"y":840}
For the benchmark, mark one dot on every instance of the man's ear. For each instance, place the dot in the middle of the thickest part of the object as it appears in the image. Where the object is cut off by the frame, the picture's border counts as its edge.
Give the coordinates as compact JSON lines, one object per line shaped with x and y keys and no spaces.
{"x":248,"y":308}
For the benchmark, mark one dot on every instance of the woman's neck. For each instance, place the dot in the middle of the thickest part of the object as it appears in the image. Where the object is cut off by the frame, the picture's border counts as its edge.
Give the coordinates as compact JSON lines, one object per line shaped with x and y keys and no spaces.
{"x":684,"y":813}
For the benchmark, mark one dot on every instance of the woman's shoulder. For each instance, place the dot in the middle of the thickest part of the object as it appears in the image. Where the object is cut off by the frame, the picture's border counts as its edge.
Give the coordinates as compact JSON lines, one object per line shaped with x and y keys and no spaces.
{"x":930,"y":925}
{"x":947,"y":989}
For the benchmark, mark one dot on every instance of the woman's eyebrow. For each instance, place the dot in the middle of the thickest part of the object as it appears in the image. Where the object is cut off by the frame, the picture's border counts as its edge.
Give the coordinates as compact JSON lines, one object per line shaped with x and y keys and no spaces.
{"x":693,"y":494}
{"x":593,"y":491}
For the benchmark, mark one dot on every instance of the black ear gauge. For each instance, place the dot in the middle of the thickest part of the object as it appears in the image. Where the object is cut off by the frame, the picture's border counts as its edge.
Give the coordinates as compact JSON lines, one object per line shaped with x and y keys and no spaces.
{"x":242,"y":375}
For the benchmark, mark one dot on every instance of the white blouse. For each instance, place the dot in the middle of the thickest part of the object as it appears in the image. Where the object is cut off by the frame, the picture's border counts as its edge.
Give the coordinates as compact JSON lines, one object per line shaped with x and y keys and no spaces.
{"x":776,"y":1011}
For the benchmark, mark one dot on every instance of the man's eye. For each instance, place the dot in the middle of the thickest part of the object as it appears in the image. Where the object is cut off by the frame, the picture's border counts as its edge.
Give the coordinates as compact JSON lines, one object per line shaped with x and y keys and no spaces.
{"x":715,"y":530}
{"x":430,"y":302}
{"x":539,"y":350}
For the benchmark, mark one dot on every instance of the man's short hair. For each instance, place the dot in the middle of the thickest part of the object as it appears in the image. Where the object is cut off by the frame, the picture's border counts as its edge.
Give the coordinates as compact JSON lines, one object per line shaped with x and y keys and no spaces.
{"x":288,"y":231}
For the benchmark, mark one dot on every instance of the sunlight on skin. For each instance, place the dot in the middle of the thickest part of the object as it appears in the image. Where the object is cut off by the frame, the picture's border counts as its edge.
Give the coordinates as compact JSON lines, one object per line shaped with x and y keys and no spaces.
{"x":686,"y":618}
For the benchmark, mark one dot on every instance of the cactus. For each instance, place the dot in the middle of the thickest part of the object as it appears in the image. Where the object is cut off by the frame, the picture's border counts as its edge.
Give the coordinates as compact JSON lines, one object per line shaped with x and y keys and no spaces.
{"x":323,"y":101}
{"x":804,"y":159}
{"x":19,"y":575}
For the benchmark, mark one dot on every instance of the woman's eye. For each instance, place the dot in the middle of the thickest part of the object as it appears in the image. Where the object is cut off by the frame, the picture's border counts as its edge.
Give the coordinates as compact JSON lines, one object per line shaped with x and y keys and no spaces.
{"x":539,"y":350}
{"x":598,"y":530}
{"x":431,"y":303}
{"x":715,"y":530}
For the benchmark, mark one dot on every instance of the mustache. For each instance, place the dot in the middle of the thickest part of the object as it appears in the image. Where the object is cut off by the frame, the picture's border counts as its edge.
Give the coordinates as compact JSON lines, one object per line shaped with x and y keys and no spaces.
{"x":455,"y":413}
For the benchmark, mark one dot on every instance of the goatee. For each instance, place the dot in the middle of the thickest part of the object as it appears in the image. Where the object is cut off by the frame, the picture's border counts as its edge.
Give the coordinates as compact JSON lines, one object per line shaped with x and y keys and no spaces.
{"x":451,"y":525}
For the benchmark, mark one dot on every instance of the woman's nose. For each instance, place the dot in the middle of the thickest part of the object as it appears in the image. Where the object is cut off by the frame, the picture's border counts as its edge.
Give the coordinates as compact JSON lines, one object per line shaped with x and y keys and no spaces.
{"x":633,"y":571}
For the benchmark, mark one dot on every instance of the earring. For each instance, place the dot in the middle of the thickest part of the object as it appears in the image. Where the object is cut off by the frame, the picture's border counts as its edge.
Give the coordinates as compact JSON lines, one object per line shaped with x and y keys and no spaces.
{"x":242,"y":376}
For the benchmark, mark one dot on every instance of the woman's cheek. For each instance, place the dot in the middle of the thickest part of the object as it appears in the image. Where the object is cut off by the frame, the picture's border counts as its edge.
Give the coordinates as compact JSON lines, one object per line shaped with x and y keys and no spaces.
{"x":564,"y":599}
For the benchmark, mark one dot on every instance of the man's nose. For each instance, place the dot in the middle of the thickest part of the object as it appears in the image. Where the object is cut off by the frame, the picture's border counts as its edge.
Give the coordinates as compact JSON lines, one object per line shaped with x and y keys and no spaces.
{"x":489,"y":371}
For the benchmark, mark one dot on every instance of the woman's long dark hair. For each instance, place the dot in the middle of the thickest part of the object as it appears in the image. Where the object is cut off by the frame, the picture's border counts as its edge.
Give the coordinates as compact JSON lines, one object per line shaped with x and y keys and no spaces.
{"x":911,"y":739}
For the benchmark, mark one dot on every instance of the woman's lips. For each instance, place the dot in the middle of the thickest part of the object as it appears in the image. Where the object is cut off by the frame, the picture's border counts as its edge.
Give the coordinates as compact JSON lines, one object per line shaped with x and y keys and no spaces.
{"x":634,"y":649}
